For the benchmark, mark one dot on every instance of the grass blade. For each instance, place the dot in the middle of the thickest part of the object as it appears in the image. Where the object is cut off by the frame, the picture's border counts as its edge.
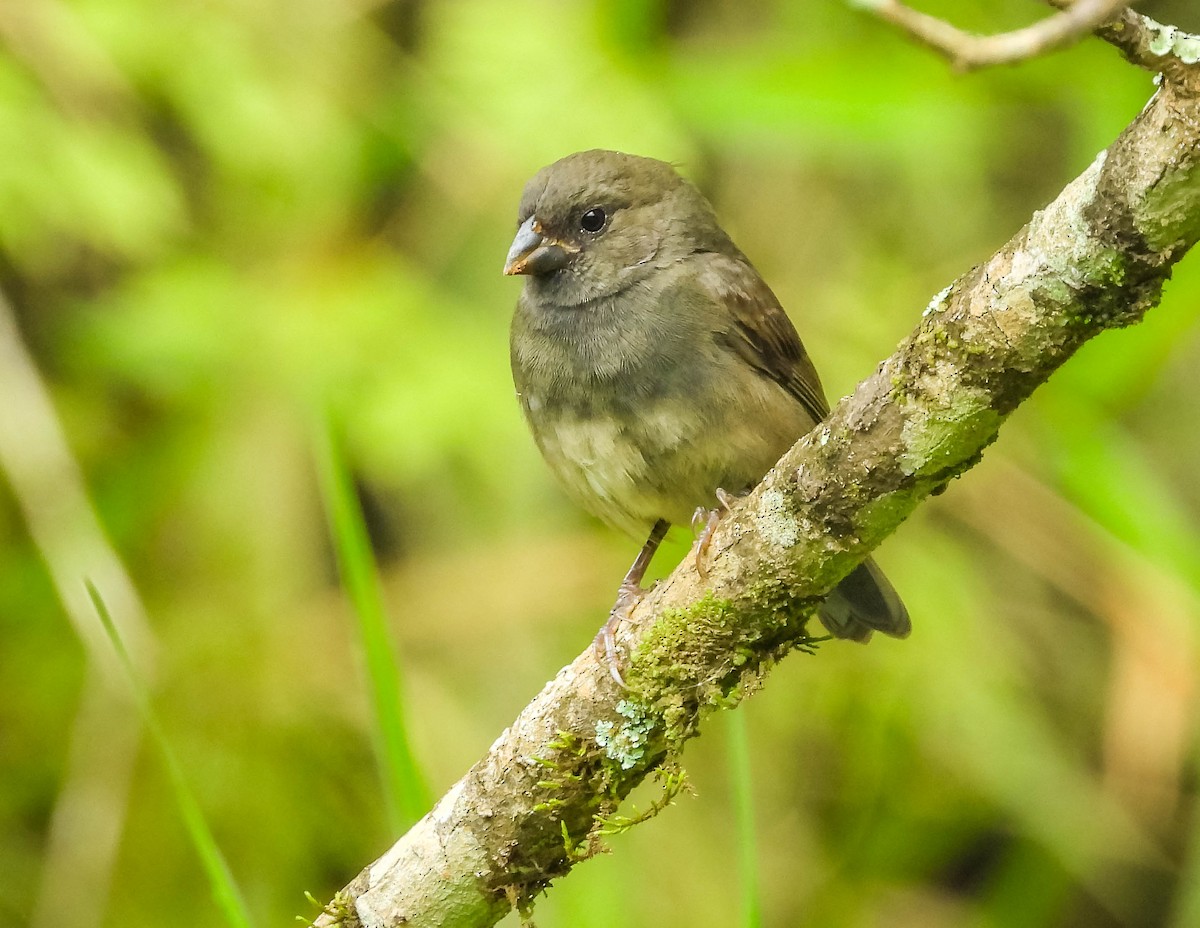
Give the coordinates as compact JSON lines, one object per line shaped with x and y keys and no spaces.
{"x":743,"y":811}
{"x":225,"y":892}
{"x":405,"y":794}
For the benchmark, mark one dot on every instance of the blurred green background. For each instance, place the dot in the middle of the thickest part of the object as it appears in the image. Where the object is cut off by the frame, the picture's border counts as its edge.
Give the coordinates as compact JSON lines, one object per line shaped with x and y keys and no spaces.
{"x":219,"y":217}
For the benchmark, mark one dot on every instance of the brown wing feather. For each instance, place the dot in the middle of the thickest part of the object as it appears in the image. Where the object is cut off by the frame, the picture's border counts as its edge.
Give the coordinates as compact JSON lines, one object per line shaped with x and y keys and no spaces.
{"x":765,"y":338}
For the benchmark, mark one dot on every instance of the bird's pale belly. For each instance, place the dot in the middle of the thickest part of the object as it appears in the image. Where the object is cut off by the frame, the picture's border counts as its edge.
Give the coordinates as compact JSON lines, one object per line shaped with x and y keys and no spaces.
{"x":660,"y":466}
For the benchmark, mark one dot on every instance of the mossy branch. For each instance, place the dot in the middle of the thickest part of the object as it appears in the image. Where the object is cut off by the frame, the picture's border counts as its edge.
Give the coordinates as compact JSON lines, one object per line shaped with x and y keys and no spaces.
{"x":1094,"y":259}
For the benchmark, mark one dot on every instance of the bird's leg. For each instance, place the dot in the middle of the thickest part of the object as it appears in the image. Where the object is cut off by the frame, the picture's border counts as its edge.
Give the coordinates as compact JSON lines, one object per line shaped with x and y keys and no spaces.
{"x":704,"y":523}
{"x":629,"y":594}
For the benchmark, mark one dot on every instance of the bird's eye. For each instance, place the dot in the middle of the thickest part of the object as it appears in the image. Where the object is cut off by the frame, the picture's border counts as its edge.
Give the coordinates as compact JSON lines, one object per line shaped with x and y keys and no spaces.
{"x":593,"y":220}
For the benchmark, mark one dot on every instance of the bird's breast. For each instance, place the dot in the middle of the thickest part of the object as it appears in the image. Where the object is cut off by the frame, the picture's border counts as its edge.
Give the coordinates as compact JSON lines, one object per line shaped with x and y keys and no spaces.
{"x":621,"y":465}
{"x":643,"y":424}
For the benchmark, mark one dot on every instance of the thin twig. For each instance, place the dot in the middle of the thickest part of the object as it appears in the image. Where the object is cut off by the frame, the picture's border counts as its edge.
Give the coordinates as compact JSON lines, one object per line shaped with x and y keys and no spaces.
{"x":968,"y":51}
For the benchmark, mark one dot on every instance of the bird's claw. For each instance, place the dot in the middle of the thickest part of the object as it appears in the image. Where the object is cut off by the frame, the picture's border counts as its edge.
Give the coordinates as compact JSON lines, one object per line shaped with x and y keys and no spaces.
{"x":607,"y":649}
{"x":704,"y":523}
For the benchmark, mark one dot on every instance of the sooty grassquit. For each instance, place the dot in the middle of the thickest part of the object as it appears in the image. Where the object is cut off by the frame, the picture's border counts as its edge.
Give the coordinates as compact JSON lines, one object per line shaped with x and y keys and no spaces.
{"x":655,"y":367}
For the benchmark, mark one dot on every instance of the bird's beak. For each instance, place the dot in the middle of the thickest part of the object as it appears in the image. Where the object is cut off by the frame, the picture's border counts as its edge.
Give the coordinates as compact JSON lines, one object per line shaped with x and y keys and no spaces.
{"x":534,"y":253}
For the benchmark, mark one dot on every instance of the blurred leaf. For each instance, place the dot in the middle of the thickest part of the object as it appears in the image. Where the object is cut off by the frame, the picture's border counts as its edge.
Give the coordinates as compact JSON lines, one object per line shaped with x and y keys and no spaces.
{"x":220,"y":879}
{"x":405,"y":793}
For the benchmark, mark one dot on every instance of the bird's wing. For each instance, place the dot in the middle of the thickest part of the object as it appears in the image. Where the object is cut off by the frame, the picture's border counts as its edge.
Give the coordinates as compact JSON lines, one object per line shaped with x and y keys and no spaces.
{"x":762,"y":334}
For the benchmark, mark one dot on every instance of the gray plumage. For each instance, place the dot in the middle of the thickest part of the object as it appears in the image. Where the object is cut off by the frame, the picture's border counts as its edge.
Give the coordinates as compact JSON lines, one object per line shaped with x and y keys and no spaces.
{"x":653,"y":363}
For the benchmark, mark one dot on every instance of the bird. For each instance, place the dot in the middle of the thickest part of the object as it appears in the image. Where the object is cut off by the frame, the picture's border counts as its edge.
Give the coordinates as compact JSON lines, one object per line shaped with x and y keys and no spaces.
{"x":656,"y":369}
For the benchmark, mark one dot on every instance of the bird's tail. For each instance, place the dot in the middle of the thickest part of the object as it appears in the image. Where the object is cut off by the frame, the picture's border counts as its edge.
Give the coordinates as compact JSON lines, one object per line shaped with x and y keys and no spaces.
{"x":865,"y":602}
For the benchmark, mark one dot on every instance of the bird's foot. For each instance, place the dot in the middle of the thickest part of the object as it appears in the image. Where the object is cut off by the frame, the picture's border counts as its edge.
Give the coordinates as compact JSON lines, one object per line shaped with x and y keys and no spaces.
{"x":607,"y":649}
{"x":629,"y":594}
{"x":704,"y":523}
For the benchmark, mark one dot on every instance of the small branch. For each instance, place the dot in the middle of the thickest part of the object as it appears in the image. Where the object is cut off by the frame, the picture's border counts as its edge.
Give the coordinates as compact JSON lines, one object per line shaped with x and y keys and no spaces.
{"x":1094,"y":259}
{"x":968,"y":51}
{"x":1148,"y":44}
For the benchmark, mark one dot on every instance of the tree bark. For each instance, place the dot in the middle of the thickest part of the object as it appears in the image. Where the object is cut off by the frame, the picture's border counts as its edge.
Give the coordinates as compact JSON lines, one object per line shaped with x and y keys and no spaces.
{"x":1094,"y":259}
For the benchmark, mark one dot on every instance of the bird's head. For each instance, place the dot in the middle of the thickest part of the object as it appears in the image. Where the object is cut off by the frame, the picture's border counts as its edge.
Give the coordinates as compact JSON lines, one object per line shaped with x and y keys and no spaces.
{"x":596,"y":222}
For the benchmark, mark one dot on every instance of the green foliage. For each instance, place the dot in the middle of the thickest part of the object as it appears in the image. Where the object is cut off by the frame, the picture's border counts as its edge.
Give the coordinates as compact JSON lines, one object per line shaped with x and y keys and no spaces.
{"x":217,"y":217}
